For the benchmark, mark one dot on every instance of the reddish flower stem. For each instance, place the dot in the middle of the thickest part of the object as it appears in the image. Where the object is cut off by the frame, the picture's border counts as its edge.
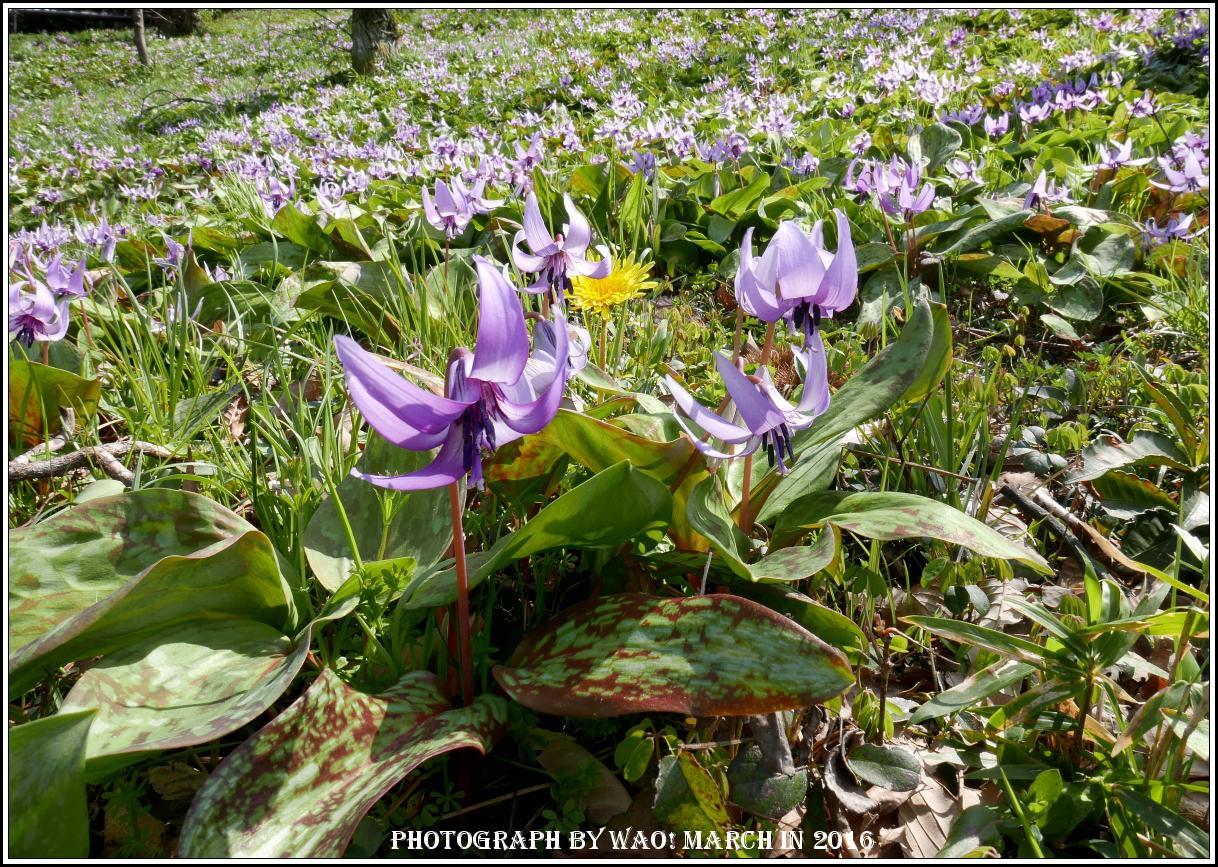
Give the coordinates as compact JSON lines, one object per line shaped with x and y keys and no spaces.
{"x":467,"y":656}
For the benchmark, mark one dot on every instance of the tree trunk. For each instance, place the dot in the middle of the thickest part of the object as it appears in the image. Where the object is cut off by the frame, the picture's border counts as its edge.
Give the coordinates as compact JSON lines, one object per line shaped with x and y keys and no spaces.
{"x":141,"y":48}
{"x":372,"y":32}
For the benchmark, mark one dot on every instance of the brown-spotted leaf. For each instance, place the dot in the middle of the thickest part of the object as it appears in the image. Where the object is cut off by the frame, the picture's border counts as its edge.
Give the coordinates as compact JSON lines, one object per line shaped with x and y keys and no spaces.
{"x":112,"y":571}
{"x":702,"y":656}
{"x":185,"y":685}
{"x":299,"y":787}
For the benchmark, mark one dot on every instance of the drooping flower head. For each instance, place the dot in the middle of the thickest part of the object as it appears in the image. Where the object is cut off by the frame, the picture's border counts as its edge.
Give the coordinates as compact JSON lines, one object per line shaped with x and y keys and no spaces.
{"x":493,"y":395}
{"x":556,"y":258}
{"x":454,"y":207}
{"x":36,"y":315}
{"x":768,"y":419}
{"x":797,"y":278}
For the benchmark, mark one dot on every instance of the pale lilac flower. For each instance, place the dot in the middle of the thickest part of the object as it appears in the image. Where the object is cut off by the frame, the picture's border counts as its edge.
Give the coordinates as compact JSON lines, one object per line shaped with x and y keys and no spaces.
{"x":553,"y":258}
{"x":491,"y":395}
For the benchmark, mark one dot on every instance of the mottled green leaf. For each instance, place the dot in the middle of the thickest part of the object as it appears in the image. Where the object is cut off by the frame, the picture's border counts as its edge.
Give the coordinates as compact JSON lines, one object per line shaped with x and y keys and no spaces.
{"x":761,"y":791}
{"x":895,"y":515}
{"x":299,"y":786}
{"x":38,"y":393}
{"x":48,"y":817}
{"x":185,"y":685}
{"x":418,"y":526}
{"x":609,"y":509}
{"x":687,"y":798}
{"x":702,"y":656}
{"x":112,"y":571}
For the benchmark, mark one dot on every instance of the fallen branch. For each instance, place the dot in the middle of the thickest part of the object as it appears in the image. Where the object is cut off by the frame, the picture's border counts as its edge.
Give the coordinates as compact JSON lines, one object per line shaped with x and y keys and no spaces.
{"x":104,"y":456}
{"x":1102,"y":547}
{"x":1036,"y":512}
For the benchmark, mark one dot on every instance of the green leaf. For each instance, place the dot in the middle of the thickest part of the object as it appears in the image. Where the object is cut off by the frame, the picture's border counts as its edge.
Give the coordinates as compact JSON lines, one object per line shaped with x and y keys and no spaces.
{"x":633,"y":754}
{"x":687,"y":798}
{"x":891,"y":768}
{"x":977,"y":826}
{"x":601,"y":795}
{"x":1126,"y":495}
{"x":907,"y":369}
{"x":1082,"y":301}
{"x":37,"y":394}
{"x":1107,"y":254}
{"x":608,"y":510}
{"x":831,"y":627}
{"x":894,"y":515}
{"x":701,"y":656}
{"x":738,"y":202}
{"x":1182,"y":835}
{"x":973,"y":689}
{"x":760,"y":791}
{"x":112,"y":571}
{"x":982,"y":636}
{"x":300,"y":229}
{"x":630,"y":218}
{"x":419,"y":525}
{"x":299,"y":786}
{"x":973,"y":238}
{"x":939,"y":143}
{"x":193,"y":414}
{"x":1146,"y":449}
{"x":48,"y":815}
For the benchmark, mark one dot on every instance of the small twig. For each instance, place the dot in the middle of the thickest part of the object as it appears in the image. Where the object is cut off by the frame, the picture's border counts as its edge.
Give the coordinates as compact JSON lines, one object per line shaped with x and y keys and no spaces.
{"x":54,"y":444}
{"x":104,"y":456}
{"x":910,"y":464}
{"x":493,"y":801}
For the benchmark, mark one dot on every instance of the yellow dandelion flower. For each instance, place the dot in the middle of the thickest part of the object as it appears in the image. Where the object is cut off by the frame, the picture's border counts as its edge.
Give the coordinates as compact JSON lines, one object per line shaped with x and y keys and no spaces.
{"x":627,"y":280}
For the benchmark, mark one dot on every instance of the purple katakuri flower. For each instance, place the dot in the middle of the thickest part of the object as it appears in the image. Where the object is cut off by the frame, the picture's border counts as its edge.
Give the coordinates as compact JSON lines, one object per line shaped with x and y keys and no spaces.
{"x":1186,"y":176}
{"x":768,"y":419}
{"x":553,"y":258}
{"x":494,"y":394}
{"x":1176,"y":229}
{"x":454,"y":207}
{"x":36,"y":315}
{"x":1120,"y":154}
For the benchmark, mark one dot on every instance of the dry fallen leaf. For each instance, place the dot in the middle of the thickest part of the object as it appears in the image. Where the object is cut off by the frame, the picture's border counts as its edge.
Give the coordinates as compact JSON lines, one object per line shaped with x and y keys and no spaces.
{"x":928,"y":815}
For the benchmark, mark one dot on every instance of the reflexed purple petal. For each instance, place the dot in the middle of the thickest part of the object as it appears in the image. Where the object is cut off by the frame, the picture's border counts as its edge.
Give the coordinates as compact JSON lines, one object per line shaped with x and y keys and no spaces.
{"x":444,"y":470}
{"x":579,"y":233}
{"x":755,"y":283}
{"x":714,"y":424}
{"x":396,"y":408}
{"x":429,"y":210}
{"x":526,"y":262}
{"x":445,"y":203}
{"x":503,"y":339}
{"x":800,"y":270}
{"x":815,"y":398}
{"x":540,"y":240}
{"x":758,"y":413}
{"x":532,"y":417}
{"x":598,"y":270}
{"x":842,"y":278}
